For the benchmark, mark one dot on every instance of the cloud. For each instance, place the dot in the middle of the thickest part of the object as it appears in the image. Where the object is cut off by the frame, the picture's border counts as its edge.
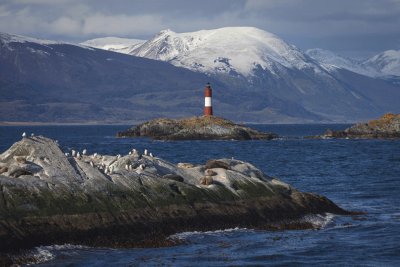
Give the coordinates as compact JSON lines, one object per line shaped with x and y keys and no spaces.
{"x":101,"y":24}
{"x":306,"y":23}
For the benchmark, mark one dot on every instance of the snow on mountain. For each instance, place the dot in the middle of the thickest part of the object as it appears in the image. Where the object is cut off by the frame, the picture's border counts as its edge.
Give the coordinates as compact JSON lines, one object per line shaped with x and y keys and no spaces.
{"x":229,"y":50}
{"x":121,"y":45}
{"x":382,"y":65}
{"x":13,"y":38}
{"x":386,"y":63}
{"x":332,"y":61}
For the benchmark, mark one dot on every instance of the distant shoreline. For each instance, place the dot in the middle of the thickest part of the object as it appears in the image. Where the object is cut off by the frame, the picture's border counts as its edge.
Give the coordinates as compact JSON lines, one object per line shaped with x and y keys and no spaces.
{"x":64,"y":123}
{"x":27,"y":123}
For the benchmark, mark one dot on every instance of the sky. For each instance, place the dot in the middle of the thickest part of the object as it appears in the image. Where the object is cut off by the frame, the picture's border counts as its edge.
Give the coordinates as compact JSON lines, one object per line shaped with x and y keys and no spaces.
{"x":353,"y":28}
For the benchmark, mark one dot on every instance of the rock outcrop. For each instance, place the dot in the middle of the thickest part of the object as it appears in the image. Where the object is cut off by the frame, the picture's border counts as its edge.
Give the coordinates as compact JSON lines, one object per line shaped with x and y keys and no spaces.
{"x":48,"y":197}
{"x":388,"y":126}
{"x":195,"y":128}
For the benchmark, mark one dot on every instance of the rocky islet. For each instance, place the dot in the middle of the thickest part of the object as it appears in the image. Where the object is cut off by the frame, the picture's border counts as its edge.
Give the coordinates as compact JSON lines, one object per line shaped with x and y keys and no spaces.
{"x":195,"y":128}
{"x":386,"y":127}
{"x":48,"y":196}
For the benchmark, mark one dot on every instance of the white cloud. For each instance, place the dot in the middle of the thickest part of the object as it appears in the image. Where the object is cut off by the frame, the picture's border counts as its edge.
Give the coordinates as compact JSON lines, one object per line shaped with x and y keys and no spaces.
{"x":65,"y":26}
{"x":121,"y":24}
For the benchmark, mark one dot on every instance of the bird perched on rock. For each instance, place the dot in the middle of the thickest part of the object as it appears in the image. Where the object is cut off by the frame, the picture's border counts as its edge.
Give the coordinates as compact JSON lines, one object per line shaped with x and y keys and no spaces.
{"x":92,"y":164}
{"x":130,"y":167}
{"x":118,"y":156}
{"x":32,"y":134}
{"x":126,"y":167}
{"x":73,"y":153}
{"x":78,"y":155}
{"x":94,"y":155}
{"x":140,"y":169}
{"x":84,"y":152}
{"x":130,"y":153}
{"x":24,"y":134}
{"x":151,"y":155}
{"x":66,"y":154}
{"x":145,"y":152}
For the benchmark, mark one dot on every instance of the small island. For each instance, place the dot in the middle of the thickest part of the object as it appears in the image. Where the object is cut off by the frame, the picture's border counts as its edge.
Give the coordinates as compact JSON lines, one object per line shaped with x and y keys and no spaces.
{"x":386,"y":127}
{"x":49,"y":196}
{"x":206,"y":127}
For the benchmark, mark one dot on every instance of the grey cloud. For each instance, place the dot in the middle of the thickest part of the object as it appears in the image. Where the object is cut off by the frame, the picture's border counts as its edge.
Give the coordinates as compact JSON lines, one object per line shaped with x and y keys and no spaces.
{"x":372,"y":25}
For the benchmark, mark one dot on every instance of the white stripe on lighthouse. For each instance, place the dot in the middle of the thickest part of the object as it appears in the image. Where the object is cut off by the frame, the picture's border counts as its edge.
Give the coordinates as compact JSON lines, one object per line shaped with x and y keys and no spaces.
{"x":207,"y":101}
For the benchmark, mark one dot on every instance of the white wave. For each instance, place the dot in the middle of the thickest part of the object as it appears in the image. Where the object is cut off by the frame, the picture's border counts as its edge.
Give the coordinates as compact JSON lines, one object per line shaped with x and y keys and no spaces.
{"x":185,"y":235}
{"x":319,"y":221}
{"x":48,"y":253}
{"x":63,"y":247}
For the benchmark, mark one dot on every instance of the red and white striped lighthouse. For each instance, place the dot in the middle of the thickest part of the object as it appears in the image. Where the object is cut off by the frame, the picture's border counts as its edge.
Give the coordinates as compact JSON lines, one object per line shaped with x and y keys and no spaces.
{"x":207,"y":100}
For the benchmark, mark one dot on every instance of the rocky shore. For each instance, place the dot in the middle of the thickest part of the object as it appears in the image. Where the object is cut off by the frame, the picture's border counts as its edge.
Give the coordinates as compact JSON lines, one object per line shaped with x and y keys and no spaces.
{"x":388,"y":126}
{"x":48,"y":196}
{"x":195,"y":128}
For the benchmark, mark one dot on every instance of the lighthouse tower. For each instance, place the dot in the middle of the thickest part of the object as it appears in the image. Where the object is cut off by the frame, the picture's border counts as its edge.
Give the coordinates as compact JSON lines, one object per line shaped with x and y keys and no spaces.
{"x":207,"y":100}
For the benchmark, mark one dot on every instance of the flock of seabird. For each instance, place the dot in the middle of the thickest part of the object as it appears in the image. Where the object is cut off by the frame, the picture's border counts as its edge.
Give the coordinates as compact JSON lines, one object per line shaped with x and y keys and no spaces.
{"x":107,"y":169}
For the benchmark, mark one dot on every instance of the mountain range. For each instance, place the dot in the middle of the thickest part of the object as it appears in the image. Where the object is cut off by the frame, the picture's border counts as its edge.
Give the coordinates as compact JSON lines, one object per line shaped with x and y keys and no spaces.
{"x":256,"y":76}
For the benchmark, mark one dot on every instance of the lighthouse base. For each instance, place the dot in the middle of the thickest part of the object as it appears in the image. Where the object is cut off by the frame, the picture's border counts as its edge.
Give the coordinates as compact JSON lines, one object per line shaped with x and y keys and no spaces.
{"x":208,"y":111}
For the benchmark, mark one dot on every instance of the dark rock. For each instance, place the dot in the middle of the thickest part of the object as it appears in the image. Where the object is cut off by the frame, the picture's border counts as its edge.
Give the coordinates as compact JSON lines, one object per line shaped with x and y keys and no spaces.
{"x":174,"y":177}
{"x":19,"y":172}
{"x":3,"y":169}
{"x":195,"y":128}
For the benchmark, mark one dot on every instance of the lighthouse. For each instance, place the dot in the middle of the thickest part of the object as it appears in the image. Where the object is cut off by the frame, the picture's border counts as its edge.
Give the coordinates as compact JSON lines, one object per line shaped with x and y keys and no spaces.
{"x":207,"y":100}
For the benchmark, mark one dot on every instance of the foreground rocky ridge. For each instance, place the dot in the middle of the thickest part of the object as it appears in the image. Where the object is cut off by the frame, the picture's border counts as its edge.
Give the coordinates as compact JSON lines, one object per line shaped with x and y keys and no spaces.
{"x":195,"y":128}
{"x":388,"y":126}
{"x":49,"y":197}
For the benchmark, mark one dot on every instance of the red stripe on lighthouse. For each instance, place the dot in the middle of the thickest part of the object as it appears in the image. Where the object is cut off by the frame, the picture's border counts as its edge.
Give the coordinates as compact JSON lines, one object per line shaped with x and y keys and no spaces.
{"x":207,"y":101}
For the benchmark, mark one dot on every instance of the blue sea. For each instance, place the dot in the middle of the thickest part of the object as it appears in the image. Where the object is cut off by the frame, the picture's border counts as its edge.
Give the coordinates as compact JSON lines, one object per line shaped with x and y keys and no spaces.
{"x":358,"y":175}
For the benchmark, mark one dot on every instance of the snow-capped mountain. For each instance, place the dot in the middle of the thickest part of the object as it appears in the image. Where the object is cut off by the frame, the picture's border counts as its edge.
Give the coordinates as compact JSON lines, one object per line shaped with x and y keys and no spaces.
{"x":274,"y":74}
{"x":332,"y":61}
{"x":256,"y":77}
{"x":240,"y":50}
{"x":382,"y":65}
{"x":47,"y":81}
{"x":386,"y":63}
{"x":116,"y":44}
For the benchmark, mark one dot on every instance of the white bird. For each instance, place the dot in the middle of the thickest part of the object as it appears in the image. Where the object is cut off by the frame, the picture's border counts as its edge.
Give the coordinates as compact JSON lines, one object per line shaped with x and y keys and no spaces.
{"x":32,"y":134}
{"x":84,"y":152}
{"x":78,"y":155}
{"x":134,"y":150}
{"x":73,"y":153}
{"x":145,"y":152}
{"x":91,"y":164}
{"x":24,"y":134}
{"x":130,"y":153}
{"x":151,"y":155}
{"x":118,"y":156}
{"x":126,"y":167}
{"x":130,"y":167}
{"x":66,"y":154}
{"x":94,"y":155}
{"x":142,"y":166}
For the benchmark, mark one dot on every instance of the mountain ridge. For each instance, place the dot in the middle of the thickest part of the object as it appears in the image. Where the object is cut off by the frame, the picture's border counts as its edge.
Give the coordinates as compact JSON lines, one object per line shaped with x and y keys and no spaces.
{"x":45,"y":81}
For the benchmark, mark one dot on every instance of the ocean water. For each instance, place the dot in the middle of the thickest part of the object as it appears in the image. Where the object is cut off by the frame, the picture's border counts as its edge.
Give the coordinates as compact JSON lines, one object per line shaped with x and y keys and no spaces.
{"x":361,"y":175}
